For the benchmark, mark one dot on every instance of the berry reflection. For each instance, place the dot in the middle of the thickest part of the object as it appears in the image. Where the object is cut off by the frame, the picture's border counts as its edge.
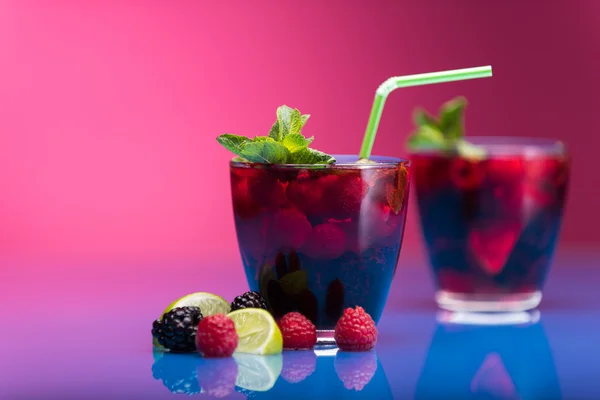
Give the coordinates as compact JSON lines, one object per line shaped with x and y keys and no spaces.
{"x":291,"y":375}
{"x":178,"y":372}
{"x":355,"y":370}
{"x":190,"y":374}
{"x":327,"y":374}
{"x":298,"y":365}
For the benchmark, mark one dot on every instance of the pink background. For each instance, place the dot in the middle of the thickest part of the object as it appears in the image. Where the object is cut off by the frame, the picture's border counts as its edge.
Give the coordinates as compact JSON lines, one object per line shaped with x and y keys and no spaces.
{"x":109,"y":109}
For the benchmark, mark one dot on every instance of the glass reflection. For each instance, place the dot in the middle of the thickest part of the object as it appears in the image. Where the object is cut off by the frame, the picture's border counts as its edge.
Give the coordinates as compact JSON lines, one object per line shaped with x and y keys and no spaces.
{"x":291,"y":375}
{"x":489,"y":362}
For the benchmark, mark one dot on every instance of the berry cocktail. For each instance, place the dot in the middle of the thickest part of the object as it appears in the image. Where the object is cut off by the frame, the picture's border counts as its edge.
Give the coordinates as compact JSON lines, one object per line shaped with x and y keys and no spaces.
{"x":491,"y":214}
{"x":318,"y":239}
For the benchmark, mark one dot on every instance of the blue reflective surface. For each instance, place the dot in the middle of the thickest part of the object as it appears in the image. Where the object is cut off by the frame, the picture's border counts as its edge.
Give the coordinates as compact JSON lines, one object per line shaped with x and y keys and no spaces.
{"x":100,"y":349}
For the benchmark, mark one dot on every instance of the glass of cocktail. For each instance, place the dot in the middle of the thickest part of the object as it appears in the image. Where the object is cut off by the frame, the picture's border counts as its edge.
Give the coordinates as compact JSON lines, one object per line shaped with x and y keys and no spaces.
{"x":319,"y":239}
{"x":490,"y":210}
{"x":491,"y":224}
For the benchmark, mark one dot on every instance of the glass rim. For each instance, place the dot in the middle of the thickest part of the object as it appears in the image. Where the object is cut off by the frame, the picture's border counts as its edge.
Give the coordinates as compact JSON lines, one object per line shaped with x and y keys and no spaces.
{"x":381,"y":162}
{"x":512,"y":145}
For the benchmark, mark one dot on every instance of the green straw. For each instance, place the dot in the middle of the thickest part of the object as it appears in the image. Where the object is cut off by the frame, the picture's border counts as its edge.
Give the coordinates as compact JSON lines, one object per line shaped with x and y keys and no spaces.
{"x":396,"y":82}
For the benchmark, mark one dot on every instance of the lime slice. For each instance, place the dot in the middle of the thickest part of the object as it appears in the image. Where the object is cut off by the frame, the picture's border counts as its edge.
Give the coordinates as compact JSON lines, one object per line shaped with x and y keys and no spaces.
{"x":257,"y":331}
{"x":210,"y":304}
{"x":257,"y":373}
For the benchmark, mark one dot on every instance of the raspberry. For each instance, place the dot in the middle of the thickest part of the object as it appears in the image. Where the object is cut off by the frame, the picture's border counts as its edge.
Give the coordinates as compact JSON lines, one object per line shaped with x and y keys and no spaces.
{"x":492,"y":245}
{"x":355,"y":371}
{"x":266,"y":190}
{"x":297,"y":331}
{"x":298,"y":365}
{"x":216,"y":336}
{"x":306,"y":194}
{"x":355,"y":331}
{"x":506,"y":169}
{"x":217,"y":377}
{"x":466,"y":174}
{"x":326,"y":241}
{"x":346,"y":195}
{"x":244,"y":206}
{"x":380,"y":220}
{"x":291,"y":228}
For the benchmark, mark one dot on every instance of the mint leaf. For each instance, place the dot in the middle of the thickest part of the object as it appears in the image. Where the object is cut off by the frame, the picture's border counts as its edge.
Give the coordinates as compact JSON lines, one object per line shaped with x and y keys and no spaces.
{"x":311,"y":156}
{"x":285,"y":143}
{"x":427,"y":137}
{"x":296,"y":142}
{"x":274,"y":133}
{"x":233,"y":143}
{"x":296,"y":123}
{"x":268,"y":151}
{"x":284,"y":117}
{"x":452,"y":118}
{"x":423,"y":118}
{"x":289,"y":121}
{"x":446,"y":132}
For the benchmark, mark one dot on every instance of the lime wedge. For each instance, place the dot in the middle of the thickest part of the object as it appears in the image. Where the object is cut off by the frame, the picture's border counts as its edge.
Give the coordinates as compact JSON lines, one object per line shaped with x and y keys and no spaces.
{"x":257,"y":331}
{"x":210,"y":304}
{"x":257,"y":373}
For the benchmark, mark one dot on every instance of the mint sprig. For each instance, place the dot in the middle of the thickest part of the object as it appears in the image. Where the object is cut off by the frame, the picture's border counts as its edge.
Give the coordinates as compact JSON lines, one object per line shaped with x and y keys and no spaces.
{"x":285,"y":143}
{"x":445,"y":132}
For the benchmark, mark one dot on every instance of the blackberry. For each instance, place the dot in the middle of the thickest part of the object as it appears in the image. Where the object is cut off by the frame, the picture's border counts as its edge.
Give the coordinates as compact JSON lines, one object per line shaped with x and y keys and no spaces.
{"x":177,"y":329}
{"x":178,"y":373}
{"x":249,"y":300}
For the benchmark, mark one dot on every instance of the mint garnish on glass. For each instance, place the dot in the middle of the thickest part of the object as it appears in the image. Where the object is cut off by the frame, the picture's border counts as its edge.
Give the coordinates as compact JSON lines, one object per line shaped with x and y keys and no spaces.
{"x":285,"y":143}
{"x":445,"y":132}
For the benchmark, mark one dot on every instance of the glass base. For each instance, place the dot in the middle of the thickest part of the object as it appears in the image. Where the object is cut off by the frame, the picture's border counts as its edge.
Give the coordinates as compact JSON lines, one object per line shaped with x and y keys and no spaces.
{"x":325,"y":339}
{"x":501,"y":303}
{"x":493,"y":319}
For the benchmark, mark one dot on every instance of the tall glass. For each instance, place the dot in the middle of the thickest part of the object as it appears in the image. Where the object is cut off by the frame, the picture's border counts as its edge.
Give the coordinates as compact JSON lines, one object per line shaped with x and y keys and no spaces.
{"x":491,"y":226}
{"x":319,"y":238}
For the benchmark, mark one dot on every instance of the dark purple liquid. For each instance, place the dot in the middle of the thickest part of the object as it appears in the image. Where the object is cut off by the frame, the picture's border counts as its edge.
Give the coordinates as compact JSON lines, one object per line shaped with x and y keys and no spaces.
{"x":490,"y":226}
{"x":319,"y":240}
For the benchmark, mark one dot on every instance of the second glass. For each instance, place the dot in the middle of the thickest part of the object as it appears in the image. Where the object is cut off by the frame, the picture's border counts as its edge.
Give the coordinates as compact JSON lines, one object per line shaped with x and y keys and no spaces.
{"x":319,"y":238}
{"x":491,"y":226}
